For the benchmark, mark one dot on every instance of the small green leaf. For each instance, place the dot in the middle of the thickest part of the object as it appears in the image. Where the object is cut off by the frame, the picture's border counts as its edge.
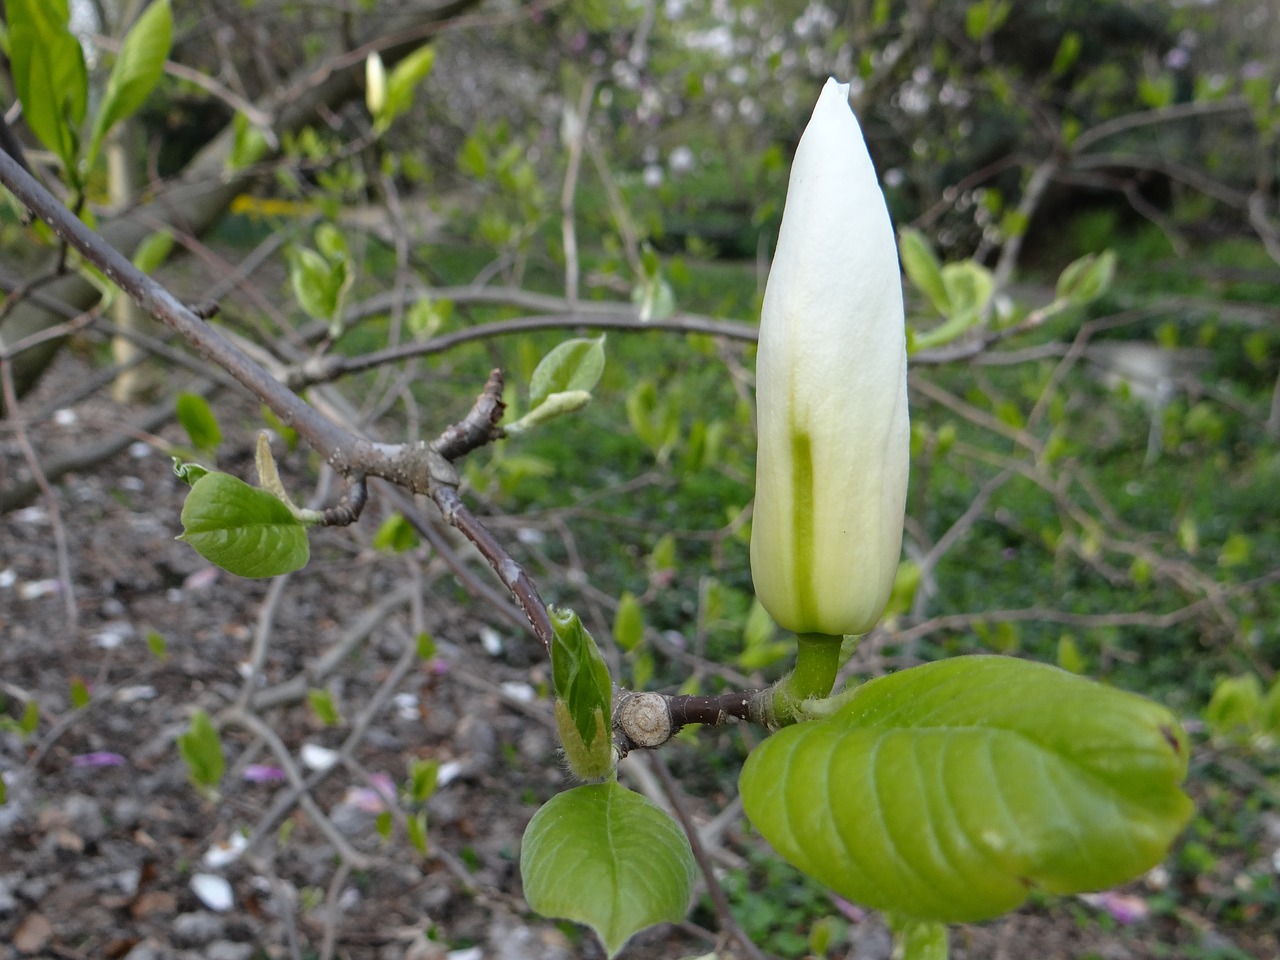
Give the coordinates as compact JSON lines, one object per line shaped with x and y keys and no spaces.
{"x":1235,"y":706}
{"x":30,"y":719}
{"x":426,"y":646}
{"x":138,"y":68}
{"x":923,"y":269}
{"x":422,"y":779}
{"x":758,"y":647}
{"x":1068,"y":53}
{"x":322,"y":705}
{"x":382,"y":824}
{"x":153,"y":251}
{"x":918,"y":939}
{"x":608,"y":858}
{"x":202,"y":750}
{"x":316,"y":282}
{"x":196,"y":417}
{"x":248,"y":147}
{"x":1069,"y":656}
{"x":4,"y":791}
{"x":628,"y":622}
{"x":1086,"y":279}
{"x":242,"y":529}
{"x":396,"y":535}
{"x":155,"y":643}
{"x":79,"y":693}
{"x":1235,"y":551}
{"x":406,"y":75}
{"x":575,"y":365}
{"x":948,"y":792}
{"x":417,"y":828}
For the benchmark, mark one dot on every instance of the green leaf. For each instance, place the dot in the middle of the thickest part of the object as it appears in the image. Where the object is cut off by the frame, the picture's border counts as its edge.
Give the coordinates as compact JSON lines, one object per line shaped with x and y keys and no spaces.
{"x":79,"y":693}
{"x":316,"y":282}
{"x":1068,"y":53}
{"x":202,"y":750}
{"x":408,"y":73}
{"x":242,"y":529}
{"x":198,"y":420}
{"x":628,"y":622}
{"x":49,"y":75}
{"x":758,"y":646}
{"x":426,"y":646}
{"x":1088,"y":278}
{"x":948,"y":792}
{"x":575,"y":365}
{"x":918,"y":939}
{"x":30,"y":720}
{"x":249,"y":146}
{"x":155,"y":643}
{"x":608,"y":858}
{"x":138,"y":68}
{"x":322,"y":705}
{"x":583,"y":685}
{"x":417,"y":828}
{"x":1235,"y":706}
{"x":396,"y":535}
{"x":153,"y":251}
{"x":423,"y":775}
{"x":923,"y":269}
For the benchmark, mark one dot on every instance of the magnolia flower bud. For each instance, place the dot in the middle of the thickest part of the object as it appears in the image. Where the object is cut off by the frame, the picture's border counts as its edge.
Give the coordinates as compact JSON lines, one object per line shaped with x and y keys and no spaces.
{"x":831,"y":391}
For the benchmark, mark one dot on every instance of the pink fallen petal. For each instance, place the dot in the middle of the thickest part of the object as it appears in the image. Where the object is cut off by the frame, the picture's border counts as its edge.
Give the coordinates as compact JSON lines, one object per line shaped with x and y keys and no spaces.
{"x":99,"y":758}
{"x":263,"y":773}
{"x":851,"y":912}
{"x":1124,"y":907}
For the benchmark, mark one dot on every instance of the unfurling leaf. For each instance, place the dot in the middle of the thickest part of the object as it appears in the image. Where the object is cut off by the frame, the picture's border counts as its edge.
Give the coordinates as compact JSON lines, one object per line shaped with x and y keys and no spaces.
{"x":948,"y":792}
{"x":585,"y":690}
{"x":606,"y":857}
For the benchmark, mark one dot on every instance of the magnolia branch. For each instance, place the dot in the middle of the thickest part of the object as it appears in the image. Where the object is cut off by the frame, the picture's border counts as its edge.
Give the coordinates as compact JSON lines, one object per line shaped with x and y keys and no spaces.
{"x":419,"y":468}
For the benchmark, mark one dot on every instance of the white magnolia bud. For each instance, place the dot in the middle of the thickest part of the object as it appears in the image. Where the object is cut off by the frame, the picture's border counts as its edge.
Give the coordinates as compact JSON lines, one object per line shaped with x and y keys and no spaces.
{"x":831,"y":391}
{"x":375,"y":84}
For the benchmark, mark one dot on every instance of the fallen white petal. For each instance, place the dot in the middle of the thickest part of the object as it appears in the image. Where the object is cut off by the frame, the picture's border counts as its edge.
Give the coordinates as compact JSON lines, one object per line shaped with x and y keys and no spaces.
{"x":316,"y":757}
{"x":213,"y":891}
{"x":221,"y":854}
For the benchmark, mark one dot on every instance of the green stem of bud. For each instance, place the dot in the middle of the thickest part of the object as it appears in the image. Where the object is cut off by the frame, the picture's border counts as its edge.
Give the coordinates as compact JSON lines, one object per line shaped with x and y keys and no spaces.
{"x":817,"y":660}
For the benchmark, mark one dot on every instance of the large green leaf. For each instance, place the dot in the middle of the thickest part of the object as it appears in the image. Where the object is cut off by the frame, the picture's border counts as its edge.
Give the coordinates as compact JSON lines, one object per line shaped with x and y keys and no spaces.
{"x":949,"y":791}
{"x":247,"y":531}
{"x":609,"y":858}
{"x":49,"y":74}
{"x":137,"y":70}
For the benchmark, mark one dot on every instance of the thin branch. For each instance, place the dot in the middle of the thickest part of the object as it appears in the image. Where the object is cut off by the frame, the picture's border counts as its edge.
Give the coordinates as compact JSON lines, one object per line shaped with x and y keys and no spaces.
{"x":1146,"y":118}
